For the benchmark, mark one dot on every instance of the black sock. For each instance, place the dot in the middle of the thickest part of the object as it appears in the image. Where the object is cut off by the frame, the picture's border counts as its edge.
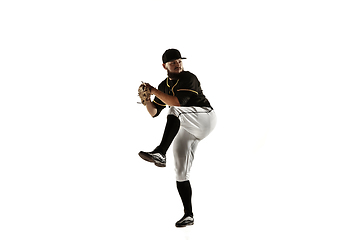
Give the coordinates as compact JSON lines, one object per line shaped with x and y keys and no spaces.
{"x":171,"y":129}
{"x":185,"y":192}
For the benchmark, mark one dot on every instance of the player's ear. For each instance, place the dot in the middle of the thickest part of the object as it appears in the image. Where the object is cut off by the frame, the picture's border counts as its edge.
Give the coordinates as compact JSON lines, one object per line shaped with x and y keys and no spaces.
{"x":164,"y":66}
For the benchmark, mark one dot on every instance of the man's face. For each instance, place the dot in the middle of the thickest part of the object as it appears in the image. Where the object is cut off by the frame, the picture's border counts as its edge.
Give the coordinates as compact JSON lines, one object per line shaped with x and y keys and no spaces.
{"x":175,"y":66}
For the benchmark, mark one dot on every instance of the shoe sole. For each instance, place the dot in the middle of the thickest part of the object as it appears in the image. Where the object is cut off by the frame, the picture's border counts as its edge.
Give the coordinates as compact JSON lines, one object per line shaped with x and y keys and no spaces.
{"x":185,"y":225}
{"x":148,"y":158}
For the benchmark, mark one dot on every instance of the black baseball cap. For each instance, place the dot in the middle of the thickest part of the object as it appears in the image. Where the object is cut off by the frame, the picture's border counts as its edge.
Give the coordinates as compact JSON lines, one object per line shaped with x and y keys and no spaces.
{"x":171,"y":54}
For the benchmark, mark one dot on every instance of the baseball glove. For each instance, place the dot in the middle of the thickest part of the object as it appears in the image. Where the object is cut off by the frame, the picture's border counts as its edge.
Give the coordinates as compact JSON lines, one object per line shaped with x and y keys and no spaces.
{"x":144,"y":93}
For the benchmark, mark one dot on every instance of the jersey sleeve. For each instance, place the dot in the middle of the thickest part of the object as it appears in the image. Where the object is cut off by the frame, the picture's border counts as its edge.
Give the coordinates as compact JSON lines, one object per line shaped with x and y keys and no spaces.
{"x":160,"y":105}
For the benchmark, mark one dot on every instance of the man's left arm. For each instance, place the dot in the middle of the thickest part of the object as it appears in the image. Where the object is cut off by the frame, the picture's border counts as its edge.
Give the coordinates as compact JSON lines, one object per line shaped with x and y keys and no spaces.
{"x":167,"y":99}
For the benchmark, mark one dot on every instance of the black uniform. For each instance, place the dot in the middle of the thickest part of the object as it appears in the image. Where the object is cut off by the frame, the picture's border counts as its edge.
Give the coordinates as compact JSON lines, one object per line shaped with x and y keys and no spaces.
{"x":186,"y":88}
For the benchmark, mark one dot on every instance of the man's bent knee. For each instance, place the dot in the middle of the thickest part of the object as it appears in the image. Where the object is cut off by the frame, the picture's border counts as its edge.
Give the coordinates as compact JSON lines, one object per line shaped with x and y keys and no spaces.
{"x":182,"y":176}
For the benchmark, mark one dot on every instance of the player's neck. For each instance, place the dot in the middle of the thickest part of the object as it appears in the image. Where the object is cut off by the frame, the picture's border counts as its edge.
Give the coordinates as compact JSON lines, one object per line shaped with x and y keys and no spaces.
{"x":173,"y":76}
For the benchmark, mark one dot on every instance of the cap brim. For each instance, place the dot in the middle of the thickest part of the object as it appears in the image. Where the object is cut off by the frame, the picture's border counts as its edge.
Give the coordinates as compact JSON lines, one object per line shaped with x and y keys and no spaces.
{"x":176,"y":58}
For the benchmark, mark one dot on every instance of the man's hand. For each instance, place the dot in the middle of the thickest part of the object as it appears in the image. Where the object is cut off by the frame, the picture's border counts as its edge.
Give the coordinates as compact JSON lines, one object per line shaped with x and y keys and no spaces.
{"x":148,"y":86}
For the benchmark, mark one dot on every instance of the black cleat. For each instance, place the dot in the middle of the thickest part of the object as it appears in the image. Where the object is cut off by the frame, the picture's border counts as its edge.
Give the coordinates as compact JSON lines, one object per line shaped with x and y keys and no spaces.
{"x":186,"y":220}
{"x":158,"y":158}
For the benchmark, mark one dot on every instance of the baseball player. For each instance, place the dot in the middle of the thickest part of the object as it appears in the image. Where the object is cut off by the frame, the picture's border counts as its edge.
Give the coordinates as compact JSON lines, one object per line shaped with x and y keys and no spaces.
{"x":190,"y":119}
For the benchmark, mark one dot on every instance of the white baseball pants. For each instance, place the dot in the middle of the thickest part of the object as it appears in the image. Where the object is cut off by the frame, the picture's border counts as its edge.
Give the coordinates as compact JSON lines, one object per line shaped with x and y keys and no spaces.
{"x":195,"y":124}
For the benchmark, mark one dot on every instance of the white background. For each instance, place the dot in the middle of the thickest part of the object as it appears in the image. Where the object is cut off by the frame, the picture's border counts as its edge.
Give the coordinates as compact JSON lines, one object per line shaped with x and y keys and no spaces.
{"x":282,"y":163}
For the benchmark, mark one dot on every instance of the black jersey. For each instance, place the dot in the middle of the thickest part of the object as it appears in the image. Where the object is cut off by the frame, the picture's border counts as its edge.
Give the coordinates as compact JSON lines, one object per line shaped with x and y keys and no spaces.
{"x":186,"y":88}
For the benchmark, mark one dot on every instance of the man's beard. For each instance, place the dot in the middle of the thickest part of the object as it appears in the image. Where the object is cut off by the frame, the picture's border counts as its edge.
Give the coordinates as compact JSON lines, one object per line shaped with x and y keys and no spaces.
{"x":174,"y":75}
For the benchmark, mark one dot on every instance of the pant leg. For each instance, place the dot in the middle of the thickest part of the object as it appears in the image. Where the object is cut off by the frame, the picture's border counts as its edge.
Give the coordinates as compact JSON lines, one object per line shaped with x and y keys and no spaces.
{"x":184,"y":147}
{"x":198,"y":121}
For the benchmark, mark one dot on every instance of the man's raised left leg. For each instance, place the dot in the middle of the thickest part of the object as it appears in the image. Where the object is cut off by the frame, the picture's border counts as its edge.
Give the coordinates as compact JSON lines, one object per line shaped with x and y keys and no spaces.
{"x":158,"y":156}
